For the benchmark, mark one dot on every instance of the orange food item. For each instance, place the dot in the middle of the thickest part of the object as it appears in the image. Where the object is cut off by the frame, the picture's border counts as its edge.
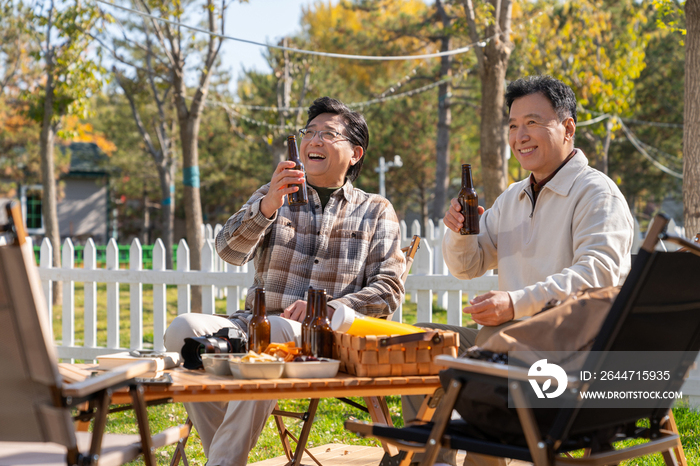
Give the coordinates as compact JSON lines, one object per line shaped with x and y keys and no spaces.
{"x":286,"y":351}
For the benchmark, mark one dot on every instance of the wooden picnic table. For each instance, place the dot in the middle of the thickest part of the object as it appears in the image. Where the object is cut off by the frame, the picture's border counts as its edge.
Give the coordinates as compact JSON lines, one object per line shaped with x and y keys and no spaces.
{"x":197,"y":385}
{"x":200,"y":386}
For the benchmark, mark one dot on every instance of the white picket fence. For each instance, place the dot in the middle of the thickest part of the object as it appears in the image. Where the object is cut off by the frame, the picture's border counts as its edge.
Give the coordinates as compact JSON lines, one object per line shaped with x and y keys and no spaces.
{"x":429,"y":276}
{"x":218,"y":281}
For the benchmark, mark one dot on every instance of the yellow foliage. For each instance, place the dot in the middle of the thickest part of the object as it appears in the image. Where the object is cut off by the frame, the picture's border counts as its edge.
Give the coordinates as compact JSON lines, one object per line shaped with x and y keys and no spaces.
{"x":327,"y":25}
{"x":84,"y":132}
{"x":582,"y":43}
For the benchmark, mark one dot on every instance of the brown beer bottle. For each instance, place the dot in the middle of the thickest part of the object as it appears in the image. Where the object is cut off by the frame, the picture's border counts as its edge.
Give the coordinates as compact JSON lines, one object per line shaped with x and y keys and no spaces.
{"x":321,"y":333}
{"x":469,"y":202}
{"x":308,"y":320}
{"x":299,"y":197}
{"x":259,"y":325}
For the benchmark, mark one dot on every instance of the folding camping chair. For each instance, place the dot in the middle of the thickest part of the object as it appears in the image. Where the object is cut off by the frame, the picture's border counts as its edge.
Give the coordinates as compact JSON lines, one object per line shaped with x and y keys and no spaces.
{"x":657,"y":309}
{"x":35,"y":406}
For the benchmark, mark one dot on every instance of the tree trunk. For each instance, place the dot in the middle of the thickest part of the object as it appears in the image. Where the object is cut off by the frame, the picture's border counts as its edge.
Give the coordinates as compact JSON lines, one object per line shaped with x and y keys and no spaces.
{"x":189,"y":128}
{"x":492,"y":133}
{"x":146,"y":227}
{"x":493,"y":63}
{"x":691,"y":120}
{"x":603,"y":162}
{"x":278,"y":151}
{"x":442,"y":145}
{"x":167,"y":210}
{"x":48,"y":179}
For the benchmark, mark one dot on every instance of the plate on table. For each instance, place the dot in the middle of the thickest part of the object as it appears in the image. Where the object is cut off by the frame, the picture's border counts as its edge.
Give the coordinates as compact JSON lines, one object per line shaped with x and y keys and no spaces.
{"x":321,"y":369}
{"x":256,"y":369}
{"x":217,"y":363}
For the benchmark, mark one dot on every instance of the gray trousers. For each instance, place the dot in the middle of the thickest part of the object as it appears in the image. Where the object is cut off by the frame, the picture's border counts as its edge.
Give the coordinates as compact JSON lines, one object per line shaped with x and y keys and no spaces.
{"x":229,"y":430}
{"x":410,"y":404}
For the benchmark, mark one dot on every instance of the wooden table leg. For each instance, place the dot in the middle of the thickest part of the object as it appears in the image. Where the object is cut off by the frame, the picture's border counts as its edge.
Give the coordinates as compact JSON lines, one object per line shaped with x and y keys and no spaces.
{"x":304,"y":435}
{"x":670,"y":424}
{"x":379,"y":412}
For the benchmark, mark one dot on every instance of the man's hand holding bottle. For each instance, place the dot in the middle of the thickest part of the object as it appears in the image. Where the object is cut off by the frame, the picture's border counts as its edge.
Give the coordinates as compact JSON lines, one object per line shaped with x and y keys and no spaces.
{"x":284,"y":181}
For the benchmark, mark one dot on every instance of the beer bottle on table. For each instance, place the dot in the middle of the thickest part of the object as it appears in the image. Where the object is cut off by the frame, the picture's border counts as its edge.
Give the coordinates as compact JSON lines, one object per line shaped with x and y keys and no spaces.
{"x":469,"y":202}
{"x":259,"y":325}
{"x":321,"y":332}
{"x":299,"y":197}
{"x":308,"y":320}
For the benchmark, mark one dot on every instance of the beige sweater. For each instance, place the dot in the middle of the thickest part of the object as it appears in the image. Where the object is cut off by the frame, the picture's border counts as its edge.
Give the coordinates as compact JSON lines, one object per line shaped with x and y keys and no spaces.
{"x":578,"y":236}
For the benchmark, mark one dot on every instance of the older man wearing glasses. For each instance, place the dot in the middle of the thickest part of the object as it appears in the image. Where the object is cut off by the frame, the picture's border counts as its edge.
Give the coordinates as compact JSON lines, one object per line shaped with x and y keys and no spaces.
{"x":344,"y":240}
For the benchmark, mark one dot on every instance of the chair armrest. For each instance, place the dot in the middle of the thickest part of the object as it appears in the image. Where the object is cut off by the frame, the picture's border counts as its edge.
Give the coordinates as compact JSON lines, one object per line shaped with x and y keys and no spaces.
{"x":478,"y":367}
{"x":493,"y":369}
{"x":109,"y":378}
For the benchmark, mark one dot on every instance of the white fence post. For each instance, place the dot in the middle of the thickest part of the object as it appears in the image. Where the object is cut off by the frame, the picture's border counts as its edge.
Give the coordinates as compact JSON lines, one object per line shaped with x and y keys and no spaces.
{"x":637,"y":238}
{"x":159,"y":298}
{"x":112,"y":296}
{"x":422,"y":265}
{"x":136,"y":296}
{"x":90,"y":263}
{"x":46,"y":262}
{"x":68,"y":311}
{"x":208,"y":266}
{"x":221,"y":292}
{"x":233,"y":293}
{"x":184,"y":299}
{"x":415,"y":230}
{"x":439,"y":266}
{"x":404,"y":234}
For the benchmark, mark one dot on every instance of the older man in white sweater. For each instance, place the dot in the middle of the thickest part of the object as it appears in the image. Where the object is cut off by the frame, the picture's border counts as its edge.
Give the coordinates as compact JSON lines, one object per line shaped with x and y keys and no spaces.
{"x":565,"y":228}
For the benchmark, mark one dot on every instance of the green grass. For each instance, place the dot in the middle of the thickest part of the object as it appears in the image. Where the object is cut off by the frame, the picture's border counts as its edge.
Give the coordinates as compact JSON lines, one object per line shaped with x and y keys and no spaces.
{"x":331,"y":413}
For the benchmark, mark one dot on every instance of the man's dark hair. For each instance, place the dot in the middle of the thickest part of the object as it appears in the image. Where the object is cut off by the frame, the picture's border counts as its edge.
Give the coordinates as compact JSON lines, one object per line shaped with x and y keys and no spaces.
{"x":559,"y":94}
{"x":355,"y":127}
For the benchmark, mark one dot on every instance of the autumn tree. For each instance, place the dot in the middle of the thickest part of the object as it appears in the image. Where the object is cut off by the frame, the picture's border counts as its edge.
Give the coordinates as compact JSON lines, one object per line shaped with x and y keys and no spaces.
{"x":19,"y":135}
{"x":655,"y":120}
{"x":492,"y":20}
{"x":69,"y":77}
{"x":144,"y":76}
{"x":185,"y":57}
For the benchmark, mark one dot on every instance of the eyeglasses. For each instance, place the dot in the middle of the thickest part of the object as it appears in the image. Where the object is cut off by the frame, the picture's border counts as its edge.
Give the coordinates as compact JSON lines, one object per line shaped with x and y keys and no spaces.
{"x":327,"y":136}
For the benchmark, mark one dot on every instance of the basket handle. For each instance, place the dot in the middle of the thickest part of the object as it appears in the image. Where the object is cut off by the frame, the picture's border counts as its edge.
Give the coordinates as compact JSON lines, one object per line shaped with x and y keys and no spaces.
{"x":432,"y":335}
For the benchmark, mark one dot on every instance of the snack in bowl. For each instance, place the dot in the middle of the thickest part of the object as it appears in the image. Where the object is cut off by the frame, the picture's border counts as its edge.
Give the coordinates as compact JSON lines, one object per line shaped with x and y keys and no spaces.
{"x":256,"y":366}
{"x":287,"y":351}
{"x":310,"y":367}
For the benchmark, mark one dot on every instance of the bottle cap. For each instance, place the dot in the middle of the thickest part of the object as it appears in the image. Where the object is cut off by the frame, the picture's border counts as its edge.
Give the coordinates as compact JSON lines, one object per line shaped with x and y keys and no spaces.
{"x":343,"y":317}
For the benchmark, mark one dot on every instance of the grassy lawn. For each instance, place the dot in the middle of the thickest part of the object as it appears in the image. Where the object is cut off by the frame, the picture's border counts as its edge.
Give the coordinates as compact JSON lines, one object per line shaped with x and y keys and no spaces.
{"x":331,"y":413}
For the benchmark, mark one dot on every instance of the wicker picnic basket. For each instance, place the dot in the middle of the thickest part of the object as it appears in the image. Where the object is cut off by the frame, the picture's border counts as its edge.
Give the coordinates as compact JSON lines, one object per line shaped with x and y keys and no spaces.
{"x":375,"y":356}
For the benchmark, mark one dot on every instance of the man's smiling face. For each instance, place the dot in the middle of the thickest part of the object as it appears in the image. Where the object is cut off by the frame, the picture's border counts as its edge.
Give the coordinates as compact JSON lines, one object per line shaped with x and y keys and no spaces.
{"x":538,"y":139}
{"x":326,"y":162}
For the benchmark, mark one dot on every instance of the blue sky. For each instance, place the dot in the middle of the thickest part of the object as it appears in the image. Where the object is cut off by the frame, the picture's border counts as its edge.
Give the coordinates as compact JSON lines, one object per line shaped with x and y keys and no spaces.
{"x":262,"y":21}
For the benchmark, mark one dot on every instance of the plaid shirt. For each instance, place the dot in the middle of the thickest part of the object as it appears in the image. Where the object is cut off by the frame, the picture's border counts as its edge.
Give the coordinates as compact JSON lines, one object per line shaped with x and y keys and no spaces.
{"x":352,"y":250}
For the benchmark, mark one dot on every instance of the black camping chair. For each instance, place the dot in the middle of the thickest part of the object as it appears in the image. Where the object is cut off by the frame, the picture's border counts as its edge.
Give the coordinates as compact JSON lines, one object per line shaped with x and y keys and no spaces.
{"x":657,"y":309}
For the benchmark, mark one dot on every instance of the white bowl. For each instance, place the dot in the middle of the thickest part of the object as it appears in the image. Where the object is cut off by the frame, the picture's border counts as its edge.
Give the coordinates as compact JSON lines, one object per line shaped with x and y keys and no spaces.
{"x":323,"y":369}
{"x":256,"y":370}
{"x":216,"y":363}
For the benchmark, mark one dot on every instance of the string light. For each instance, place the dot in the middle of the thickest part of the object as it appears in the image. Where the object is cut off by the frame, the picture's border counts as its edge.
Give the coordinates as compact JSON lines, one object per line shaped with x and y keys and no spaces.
{"x":366,"y":103}
{"x":447,"y":53}
{"x":638,"y":145}
{"x":393,"y":88}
